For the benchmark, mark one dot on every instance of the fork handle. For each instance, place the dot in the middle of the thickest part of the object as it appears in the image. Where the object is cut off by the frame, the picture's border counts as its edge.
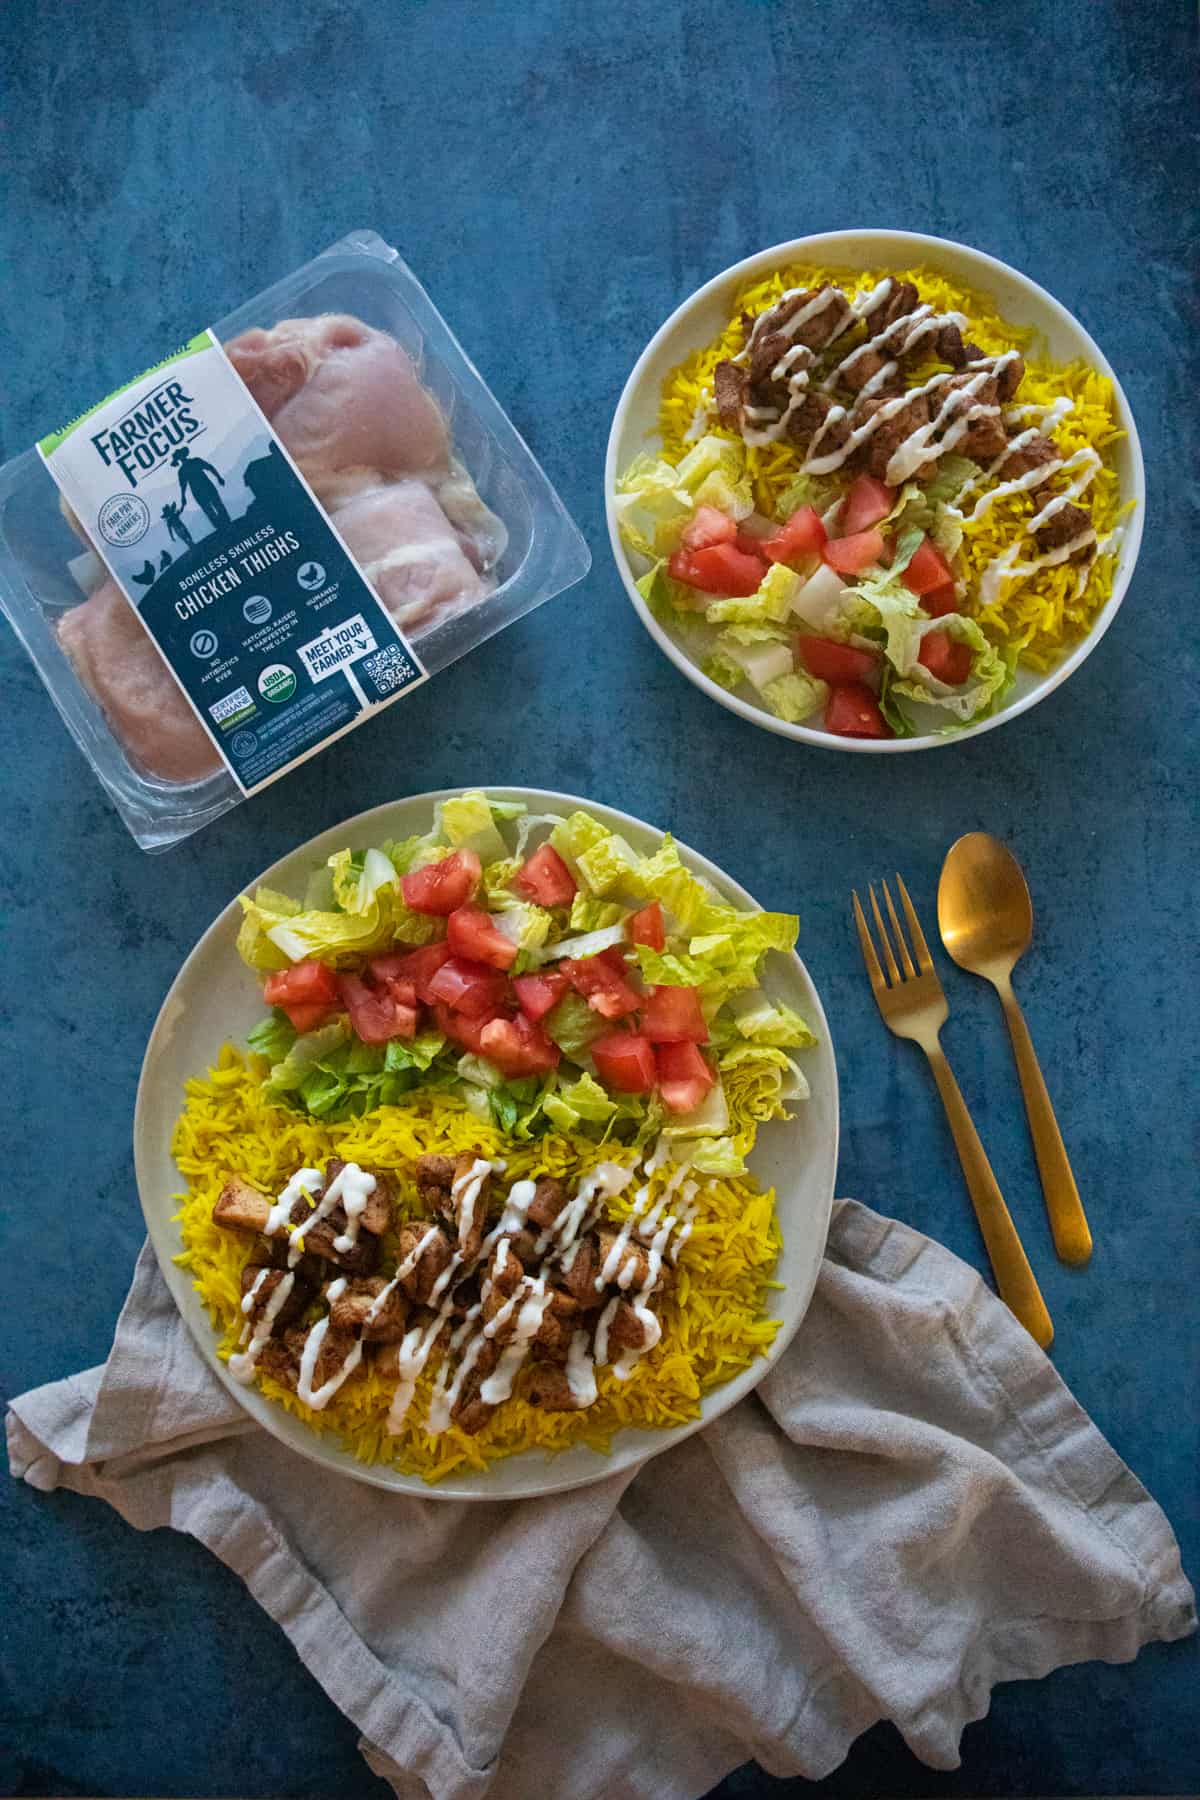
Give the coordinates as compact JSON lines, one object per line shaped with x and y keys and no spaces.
{"x":1068,"y":1223}
{"x":1014,"y":1277}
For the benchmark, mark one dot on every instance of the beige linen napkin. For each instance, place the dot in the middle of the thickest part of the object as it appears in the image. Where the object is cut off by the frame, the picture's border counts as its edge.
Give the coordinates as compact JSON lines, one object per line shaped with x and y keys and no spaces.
{"x":910,"y":1509}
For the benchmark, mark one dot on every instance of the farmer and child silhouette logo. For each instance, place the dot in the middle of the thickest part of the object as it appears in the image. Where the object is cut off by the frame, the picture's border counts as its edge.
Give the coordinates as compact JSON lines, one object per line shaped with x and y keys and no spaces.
{"x":200,"y":484}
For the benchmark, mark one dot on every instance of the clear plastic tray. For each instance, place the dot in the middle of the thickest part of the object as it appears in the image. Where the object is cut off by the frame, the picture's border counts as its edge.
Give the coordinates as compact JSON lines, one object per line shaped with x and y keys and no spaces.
{"x":545,"y":552}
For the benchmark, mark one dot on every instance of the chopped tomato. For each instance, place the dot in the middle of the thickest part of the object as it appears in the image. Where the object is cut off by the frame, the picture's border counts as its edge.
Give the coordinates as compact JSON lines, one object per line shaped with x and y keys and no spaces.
{"x":545,"y":879}
{"x":708,"y":526}
{"x":717,"y":569}
{"x":308,"y":983}
{"x":867,"y":503}
{"x":945,"y":657}
{"x":460,"y":1029}
{"x":939,"y":601}
{"x":673,"y":1015}
{"x":802,"y":535}
{"x":851,"y":555}
{"x":518,"y":1046}
{"x":468,"y":987}
{"x":927,"y":569}
{"x":853,"y":711}
{"x":830,"y":661}
{"x":375,"y":1013}
{"x":683,"y":1076}
{"x":601,"y":981}
{"x":537,"y":994}
{"x":306,"y":1018}
{"x":418,"y":966}
{"x":646,"y":927}
{"x":442,"y":886}
{"x":750,"y":545}
{"x":470,"y":933}
{"x":625,"y":1061}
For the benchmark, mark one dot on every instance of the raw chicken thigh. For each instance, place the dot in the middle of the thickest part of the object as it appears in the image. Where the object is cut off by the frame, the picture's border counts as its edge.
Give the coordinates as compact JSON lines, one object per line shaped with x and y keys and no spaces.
{"x":346,"y":402}
{"x":116,"y":658}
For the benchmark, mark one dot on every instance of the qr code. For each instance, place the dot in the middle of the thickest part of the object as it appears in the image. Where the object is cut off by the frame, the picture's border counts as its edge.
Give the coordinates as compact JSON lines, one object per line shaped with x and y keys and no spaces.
{"x":389,"y":669}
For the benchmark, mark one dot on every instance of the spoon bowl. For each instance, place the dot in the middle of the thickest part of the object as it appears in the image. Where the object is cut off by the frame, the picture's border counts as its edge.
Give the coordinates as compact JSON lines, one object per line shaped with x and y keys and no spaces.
{"x":985,"y":914}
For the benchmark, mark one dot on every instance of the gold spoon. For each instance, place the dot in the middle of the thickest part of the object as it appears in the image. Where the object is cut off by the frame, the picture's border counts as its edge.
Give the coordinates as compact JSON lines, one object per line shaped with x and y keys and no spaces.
{"x":985,"y":917}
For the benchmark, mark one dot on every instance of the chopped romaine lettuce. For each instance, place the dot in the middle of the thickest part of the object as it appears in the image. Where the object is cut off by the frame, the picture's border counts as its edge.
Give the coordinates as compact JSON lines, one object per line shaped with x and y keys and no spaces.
{"x":572,"y":1025}
{"x":795,"y":696}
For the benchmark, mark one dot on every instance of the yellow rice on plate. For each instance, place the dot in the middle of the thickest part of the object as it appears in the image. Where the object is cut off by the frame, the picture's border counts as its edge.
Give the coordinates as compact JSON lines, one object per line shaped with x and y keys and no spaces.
{"x":1041,"y":616}
{"x":713,"y":1325}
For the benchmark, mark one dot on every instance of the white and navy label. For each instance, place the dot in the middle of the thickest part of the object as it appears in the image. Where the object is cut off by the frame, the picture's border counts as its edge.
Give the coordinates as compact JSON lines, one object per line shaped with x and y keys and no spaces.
{"x":216,"y":540}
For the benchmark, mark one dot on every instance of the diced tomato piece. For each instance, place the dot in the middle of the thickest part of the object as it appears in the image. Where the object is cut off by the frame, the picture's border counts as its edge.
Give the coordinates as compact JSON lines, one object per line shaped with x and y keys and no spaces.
{"x":851,"y":555}
{"x":538,"y":994}
{"x":518,"y":1046}
{"x":945,"y":657}
{"x":830,"y":661}
{"x":468,"y":987}
{"x":418,"y":966}
{"x":853,"y":711}
{"x":601,"y":981}
{"x":683,"y":1076}
{"x":308,"y":983}
{"x":471,"y":933}
{"x":750,"y":545}
{"x":625,"y":1061}
{"x":802,"y":535}
{"x":927,"y":569}
{"x":440,"y":887}
{"x":646,"y":927}
{"x":867,"y":503}
{"x":673,"y":1015}
{"x":939,"y":601}
{"x":718,"y":569}
{"x":376,"y":1015}
{"x":306,"y":1018}
{"x":545,"y":879}
{"x":708,"y":526}
{"x":460,"y":1029}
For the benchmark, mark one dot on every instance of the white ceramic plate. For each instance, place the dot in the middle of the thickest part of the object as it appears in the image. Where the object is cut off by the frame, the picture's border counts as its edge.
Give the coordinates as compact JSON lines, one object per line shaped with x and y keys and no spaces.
{"x":704,"y":316}
{"x":215,"y":998}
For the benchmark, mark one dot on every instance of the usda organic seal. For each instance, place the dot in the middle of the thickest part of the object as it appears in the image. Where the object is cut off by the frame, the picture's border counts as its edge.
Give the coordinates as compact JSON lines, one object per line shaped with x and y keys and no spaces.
{"x":277,"y":683}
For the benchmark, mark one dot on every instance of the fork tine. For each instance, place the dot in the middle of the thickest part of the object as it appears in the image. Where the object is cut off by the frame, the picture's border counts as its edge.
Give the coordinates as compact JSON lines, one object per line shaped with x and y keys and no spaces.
{"x":868,"y":949}
{"x":901,"y":942}
{"x":914,"y":924}
{"x":888,"y":956}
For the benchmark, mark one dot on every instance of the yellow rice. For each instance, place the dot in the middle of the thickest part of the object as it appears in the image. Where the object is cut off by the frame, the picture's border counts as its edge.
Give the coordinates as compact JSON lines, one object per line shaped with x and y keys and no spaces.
{"x":1043,"y":615}
{"x":713,"y":1325}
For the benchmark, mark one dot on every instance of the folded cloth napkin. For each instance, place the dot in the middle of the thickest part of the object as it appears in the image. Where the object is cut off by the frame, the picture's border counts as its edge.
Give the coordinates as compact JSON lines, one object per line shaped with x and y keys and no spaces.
{"x":911,"y":1508}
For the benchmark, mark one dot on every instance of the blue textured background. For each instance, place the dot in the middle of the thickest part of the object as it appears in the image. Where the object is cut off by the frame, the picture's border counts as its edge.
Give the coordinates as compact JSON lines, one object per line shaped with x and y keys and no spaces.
{"x":560,"y":176}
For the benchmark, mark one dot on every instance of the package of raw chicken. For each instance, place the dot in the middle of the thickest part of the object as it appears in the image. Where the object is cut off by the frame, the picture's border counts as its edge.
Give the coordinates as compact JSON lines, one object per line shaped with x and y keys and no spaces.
{"x":282,"y":527}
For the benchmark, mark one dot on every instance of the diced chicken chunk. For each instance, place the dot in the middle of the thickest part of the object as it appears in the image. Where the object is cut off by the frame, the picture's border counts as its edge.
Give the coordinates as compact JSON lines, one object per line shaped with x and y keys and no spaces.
{"x":550,"y":1389}
{"x":878,"y":449}
{"x":433,"y":1261}
{"x":241,"y":1207}
{"x":352,"y":1308}
{"x":626,"y":1331}
{"x":263,"y":1283}
{"x":579,"y":1278}
{"x":632,"y":1266}
{"x":549,"y":1198}
{"x":731,"y":387}
{"x":376,"y":1216}
{"x":1062,"y":527}
{"x":1035,"y":454}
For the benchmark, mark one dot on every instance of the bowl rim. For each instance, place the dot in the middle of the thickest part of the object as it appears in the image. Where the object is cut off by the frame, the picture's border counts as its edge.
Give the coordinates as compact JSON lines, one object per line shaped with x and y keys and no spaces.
{"x":890,"y":243}
{"x":473,"y":1486}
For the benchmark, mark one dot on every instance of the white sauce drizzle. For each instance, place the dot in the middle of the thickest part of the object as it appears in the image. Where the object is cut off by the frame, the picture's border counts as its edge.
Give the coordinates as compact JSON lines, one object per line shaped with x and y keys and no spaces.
{"x":318,"y":1398}
{"x":581,"y":1371}
{"x":241,"y":1366}
{"x":353,"y":1187}
{"x":464,"y":1195}
{"x":1006,"y":568}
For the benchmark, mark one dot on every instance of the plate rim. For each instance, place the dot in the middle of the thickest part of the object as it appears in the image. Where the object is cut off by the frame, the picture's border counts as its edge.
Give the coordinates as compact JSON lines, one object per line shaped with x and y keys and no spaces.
{"x":327,"y":1454}
{"x":811,"y":735}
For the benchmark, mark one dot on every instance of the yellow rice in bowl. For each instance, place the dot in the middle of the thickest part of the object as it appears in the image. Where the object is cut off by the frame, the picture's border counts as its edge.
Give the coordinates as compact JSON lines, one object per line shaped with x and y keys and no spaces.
{"x":714,"y":1323}
{"x":1042,"y":616}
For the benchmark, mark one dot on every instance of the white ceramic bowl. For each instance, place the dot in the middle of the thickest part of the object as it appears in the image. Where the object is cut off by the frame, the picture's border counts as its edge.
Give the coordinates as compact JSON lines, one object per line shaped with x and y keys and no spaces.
{"x":215,"y":998}
{"x":704,"y":316}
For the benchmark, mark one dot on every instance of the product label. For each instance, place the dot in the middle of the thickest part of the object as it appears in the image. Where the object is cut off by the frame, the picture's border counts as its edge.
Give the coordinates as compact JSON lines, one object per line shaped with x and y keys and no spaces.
{"x":216,"y":540}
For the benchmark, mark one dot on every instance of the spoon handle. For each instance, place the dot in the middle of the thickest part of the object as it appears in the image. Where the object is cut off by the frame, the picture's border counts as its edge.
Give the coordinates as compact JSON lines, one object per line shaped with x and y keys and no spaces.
{"x":1015,"y":1280}
{"x":1072,"y":1239}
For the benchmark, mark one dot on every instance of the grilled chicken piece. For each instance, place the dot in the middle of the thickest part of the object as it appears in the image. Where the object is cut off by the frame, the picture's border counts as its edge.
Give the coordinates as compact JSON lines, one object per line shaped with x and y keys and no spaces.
{"x":433,"y":1260}
{"x":349,"y":1311}
{"x":504,"y":1275}
{"x":319,"y":1240}
{"x":899,"y":302}
{"x":1010,"y":378}
{"x":445,"y":1185}
{"x":626,"y":1331}
{"x":469,"y":1412}
{"x":811,"y":417}
{"x":984,"y":438}
{"x":549,"y":1198}
{"x":523,"y":1245}
{"x":280,"y":1356}
{"x":580,"y":1279}
{"x":435,"y":1174}
{"x":551,"y":1390}
{"x":1033,"y":455}
{"x":558,"y":1322}
{"x":877,"y":451}
{"x":241,"y":1207}
{"x":947,"y":344}
{"x":1063,"y":527}
{"x":376,"y":1216}
{"x":816,"y":331}
{"x":263,"y":1289}
{"x":768,"y":348}
{"x":866,"y":367}
{"x":731,"y":389}
{"x":632,"y":1255}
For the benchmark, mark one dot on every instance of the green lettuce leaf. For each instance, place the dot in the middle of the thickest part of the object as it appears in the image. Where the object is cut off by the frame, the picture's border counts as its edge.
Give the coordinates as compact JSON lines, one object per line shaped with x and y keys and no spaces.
{"x":590,"y":914}
{"x":768,"y":606}
{"x":718,"y":1156}
{"x":467,"y":822}
{"x":573,"y":1025}
{"x":770,"y":1022}
{"x":581,"y":1101}
{"x":273,"y":1036}
{"x":795,"y":697}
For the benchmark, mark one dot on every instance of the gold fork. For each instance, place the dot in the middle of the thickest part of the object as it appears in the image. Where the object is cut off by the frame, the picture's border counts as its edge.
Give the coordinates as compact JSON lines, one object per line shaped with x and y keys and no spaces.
{"x":913,"y":1005}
